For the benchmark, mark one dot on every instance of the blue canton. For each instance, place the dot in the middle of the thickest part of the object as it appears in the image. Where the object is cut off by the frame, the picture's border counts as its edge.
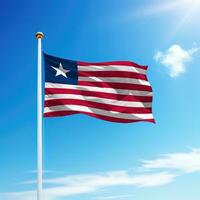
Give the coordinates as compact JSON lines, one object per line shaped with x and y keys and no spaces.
{"x":52,"y":65}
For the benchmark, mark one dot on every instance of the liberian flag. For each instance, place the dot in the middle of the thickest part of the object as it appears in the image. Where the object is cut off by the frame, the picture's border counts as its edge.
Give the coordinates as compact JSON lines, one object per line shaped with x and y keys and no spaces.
{"x":115,"y":91}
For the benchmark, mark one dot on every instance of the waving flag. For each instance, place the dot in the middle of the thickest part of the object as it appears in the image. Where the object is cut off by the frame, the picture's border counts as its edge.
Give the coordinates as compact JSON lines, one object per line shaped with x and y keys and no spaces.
{"x":115,"y":91}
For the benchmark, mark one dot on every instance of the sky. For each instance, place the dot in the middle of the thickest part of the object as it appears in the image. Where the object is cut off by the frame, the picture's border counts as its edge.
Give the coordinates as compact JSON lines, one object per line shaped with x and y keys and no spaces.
{"x":84,"y":157}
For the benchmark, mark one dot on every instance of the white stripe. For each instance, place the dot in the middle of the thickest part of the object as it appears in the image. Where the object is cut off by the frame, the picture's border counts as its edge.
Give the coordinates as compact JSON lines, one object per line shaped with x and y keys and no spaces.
{"x":98,"y":111}
{"x":111,"y":68}
{"x":114,"y":80}
{"x":99,"y":100}
{"x":99,"y":89}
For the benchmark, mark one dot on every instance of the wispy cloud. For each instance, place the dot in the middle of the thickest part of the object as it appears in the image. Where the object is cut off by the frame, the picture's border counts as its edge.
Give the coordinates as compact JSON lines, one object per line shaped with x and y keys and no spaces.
{"x":80,"y":184}
{"x":175,"y":59}
{"x":161,"y":171}
{"x":27,"y":195}
{"x":114,"y":178}
{"x":89,"y":183}
{"x":185,"y":162}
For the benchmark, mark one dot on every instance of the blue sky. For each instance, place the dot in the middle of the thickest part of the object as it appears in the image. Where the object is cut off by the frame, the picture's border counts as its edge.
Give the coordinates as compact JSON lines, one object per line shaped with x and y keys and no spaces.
{"x":86,"y":158}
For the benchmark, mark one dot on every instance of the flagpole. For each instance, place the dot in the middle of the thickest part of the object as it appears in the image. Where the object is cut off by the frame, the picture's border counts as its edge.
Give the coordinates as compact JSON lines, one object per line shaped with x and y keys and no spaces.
{"x":39,"y":36}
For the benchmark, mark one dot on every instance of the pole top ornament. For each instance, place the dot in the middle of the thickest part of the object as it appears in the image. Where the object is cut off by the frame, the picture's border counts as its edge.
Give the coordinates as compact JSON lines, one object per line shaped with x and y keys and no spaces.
{"x":39,"y":35}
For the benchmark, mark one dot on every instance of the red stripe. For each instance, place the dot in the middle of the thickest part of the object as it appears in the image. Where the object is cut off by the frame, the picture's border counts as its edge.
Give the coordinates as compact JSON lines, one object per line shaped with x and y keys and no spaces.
{"x":113,"y":74}
{"x":122,"y":63}
{"x":112,"y":119}
{"x":119,"y":97}
{"x":103,"y":106}
{"x":125,"y":86}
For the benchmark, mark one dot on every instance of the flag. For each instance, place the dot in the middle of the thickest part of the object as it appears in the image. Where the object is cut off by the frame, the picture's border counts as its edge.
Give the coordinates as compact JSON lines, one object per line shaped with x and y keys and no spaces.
{"x":116,"y":91}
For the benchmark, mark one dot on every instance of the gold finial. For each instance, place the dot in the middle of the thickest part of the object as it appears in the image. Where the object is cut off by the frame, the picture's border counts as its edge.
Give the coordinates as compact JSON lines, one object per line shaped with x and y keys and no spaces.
{"x":39,"y":35}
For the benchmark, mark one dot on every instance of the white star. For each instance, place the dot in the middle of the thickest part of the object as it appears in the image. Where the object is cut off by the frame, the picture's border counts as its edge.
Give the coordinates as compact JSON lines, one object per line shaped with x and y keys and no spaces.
{"x":61,"y":70}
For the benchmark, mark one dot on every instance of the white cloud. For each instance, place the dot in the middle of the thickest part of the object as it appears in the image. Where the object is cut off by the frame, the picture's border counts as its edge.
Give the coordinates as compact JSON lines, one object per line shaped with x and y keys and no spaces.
{"x":89,"y":183}
{"x":175,"y":59}
{"x":185,"y":162}
{"x":169,"y":166}
{"x":27,"y":195}
{"x":114,"y":178}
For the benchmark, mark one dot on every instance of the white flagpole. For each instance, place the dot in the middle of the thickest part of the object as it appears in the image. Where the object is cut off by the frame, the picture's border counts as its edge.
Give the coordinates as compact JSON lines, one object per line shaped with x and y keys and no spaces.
{"x":39,"y":36}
